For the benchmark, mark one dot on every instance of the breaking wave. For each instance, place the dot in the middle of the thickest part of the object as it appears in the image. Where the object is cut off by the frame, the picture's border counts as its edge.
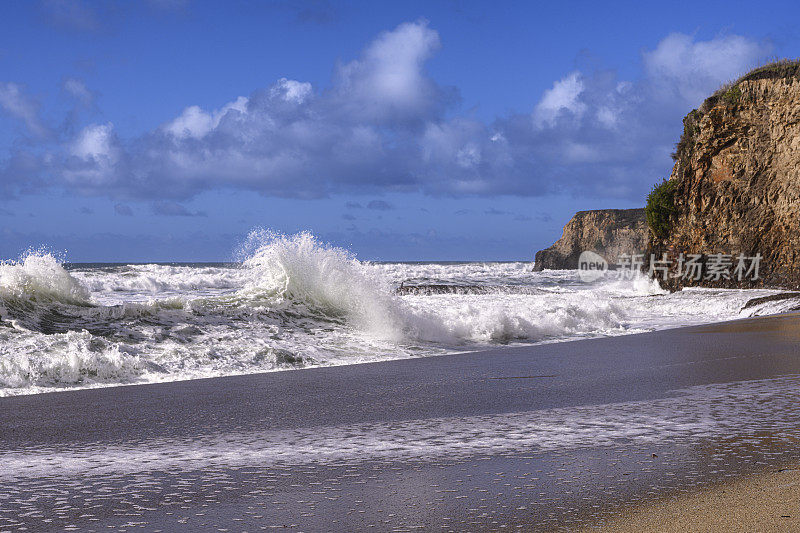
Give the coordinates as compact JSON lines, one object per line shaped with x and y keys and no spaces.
{"x":39,"y":276}
{"x":293,"y":301}
{"x":326,"y":281}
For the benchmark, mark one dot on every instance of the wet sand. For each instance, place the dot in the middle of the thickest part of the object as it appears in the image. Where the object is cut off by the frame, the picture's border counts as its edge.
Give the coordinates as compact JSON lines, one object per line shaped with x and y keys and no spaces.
{"x":545,"y":437}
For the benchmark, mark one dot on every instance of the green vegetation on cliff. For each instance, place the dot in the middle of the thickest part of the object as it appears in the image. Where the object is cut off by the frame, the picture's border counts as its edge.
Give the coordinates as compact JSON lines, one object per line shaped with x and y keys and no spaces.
{"x":690,"y":129}
{"x":784,"y":68}
{"x":659,"y":208}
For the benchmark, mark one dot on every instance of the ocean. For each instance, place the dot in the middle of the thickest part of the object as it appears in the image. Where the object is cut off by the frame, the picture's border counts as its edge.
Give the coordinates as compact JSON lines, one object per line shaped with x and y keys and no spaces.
{"x":292,"y":302}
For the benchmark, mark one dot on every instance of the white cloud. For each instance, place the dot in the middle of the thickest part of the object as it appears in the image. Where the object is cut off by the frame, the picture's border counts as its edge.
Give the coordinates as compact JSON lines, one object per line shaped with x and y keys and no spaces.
{"x":388,"y":80}
{"x":96,"y":154}
{"x":95,"y":142}
{"x":452,"y":141}
{"x":381,"y":126}
{"x":14,"y":102}
{"x":607,"y":117}
{"x":694,"y":69}
{"x":292,"y":91}
{"x":196,"y":123}
{"x":564,"y":96}
{"x":193,"y":122}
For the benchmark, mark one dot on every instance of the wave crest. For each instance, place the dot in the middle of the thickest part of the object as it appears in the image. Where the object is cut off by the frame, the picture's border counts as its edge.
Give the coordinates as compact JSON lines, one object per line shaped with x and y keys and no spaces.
{"x":326,"y":280}
{"x":39,"y":276}
{"x":299,"y":269}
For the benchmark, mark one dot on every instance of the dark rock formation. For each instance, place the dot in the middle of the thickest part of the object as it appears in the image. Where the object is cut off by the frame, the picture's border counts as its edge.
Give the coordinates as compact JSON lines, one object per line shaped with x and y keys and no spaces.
{"x":608,"y":232}
{"x":736,"y":181}
{"x":429,"y":289}
{"x":753,"y":302}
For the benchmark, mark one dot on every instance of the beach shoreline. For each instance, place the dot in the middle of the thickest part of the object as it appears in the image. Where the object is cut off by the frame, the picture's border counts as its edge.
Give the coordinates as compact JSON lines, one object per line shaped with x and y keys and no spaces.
{"x":44,"y":390}
{"x":560,"y":435}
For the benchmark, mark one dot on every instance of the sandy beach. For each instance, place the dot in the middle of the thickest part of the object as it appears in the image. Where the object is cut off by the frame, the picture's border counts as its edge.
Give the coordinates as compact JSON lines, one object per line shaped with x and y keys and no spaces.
{"x":767,"y":501}
{"x":626,"y":431}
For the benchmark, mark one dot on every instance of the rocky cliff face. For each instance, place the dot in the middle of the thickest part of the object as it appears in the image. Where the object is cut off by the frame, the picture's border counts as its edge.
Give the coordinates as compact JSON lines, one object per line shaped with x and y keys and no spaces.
{"x":736,"y":181}
{"x":609,"y":232}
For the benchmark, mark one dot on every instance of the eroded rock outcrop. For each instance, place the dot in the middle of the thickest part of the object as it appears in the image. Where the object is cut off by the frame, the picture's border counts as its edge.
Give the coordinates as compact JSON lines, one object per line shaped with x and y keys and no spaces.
{"x":609,"y":232}
{"x":736,"y":180}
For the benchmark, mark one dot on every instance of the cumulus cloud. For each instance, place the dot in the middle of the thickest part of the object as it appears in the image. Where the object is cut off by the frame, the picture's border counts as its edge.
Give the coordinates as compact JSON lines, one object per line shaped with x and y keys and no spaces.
{"x":388,"y":82}
{"x":196,"y":123}
{"x":22,"y":107}
{"x":693,"y":69}
{"x":563,"y":97}
{"x":292,"y":91}
{"x":95,"y":142}
{"x":93,"y":157}
{"x":384,"y":125}
{"x":193,"y":122}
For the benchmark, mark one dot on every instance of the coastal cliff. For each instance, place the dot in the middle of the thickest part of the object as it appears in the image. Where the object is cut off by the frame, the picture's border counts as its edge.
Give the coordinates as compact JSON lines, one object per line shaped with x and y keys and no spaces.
{"x":735,"y":185}
{"x":609,"y":232}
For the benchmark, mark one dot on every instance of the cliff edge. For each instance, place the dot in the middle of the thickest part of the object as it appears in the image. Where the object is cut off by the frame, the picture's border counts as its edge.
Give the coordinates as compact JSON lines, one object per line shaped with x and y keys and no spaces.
{"x":735,"y":186}
{"x":609,"y":232}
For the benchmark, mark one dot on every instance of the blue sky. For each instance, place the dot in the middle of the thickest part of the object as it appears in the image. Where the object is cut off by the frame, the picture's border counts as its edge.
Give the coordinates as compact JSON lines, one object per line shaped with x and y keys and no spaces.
{"x":168,"y":130}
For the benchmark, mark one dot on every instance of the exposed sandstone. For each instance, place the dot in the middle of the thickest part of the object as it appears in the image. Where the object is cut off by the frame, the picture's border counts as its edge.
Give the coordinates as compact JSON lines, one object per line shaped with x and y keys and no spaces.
{"x":737,"y":181}
{"x":608,"y":232}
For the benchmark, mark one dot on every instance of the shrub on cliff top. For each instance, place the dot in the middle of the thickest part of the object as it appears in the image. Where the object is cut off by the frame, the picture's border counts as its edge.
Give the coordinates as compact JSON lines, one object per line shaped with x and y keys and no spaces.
{"x":731,"y":92}
{"x":783,"y":68}
{"x":659,"y":208}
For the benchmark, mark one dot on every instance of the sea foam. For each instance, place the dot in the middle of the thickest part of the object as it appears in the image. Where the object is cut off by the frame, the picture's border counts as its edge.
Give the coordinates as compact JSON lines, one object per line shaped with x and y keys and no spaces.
{"x":328,"y":280}
{"x":294,"y":301}
{"x":40,"y":275}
